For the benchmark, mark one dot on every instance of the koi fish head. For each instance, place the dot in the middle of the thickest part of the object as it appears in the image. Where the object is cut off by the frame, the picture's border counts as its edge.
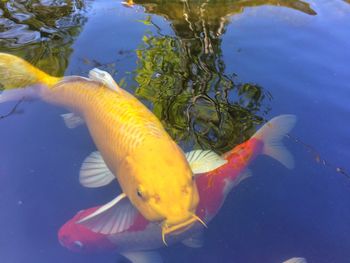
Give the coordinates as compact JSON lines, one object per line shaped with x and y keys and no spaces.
{"x":165,"y":190}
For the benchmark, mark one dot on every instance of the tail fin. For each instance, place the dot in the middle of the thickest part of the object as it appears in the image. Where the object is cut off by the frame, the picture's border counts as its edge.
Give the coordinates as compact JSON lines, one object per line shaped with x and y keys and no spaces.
{"x":16,"y":73}
{"x":272,"y":134}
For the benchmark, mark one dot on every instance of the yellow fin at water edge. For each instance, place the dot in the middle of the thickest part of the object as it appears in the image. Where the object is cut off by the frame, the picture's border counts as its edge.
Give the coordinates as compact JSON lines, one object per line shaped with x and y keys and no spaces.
{"x":203,"y":161}
{"x":114,"y":217}
{"x":15,"y":73}
{"x":104,"y":77}
{"x":272,"y":133}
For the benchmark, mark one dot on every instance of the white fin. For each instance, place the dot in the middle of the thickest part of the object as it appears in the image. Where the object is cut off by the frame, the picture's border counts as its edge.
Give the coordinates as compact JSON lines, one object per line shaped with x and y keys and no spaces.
{"x":143,"y":257}
{"x":272,"y":134}
{"x":295,"y":260}
{"x":94,"y":171}
{"x":233,"y":183}
{"x":195,"y":241}
{"x":72,"y":120}
{"x":204,"y":161}
{"x":114,"y":217}
{"x":104,"y":77}
{"x":242,"y":176}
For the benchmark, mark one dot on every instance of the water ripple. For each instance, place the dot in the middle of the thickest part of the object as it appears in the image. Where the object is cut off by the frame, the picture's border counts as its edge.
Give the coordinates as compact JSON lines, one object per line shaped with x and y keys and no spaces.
{"x":23,"y":23}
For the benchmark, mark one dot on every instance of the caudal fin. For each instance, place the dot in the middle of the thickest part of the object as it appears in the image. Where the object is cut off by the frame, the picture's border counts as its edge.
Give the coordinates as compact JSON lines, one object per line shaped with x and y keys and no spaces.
{"x":17,"y":74}
{"x":272,"y":134}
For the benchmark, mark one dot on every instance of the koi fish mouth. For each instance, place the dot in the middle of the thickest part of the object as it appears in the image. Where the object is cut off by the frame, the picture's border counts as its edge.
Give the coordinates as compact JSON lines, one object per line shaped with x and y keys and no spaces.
{"x":180,"y":228}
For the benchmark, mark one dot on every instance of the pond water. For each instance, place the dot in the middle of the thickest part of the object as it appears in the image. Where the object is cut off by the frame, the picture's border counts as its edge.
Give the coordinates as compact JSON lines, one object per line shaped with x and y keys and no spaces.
{"x":213,"y":72}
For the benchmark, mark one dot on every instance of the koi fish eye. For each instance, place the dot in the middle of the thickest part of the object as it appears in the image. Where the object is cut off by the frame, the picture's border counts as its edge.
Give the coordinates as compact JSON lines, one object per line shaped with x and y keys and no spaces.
{"x":139,"y":193}
{"x":142,"y":193}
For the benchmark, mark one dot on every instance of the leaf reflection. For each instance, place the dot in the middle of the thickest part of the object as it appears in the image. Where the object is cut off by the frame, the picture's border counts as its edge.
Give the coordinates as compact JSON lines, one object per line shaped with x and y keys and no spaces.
{"x":189,"y":91}
{"x":184,"y":80}
{"x":42,"y":32}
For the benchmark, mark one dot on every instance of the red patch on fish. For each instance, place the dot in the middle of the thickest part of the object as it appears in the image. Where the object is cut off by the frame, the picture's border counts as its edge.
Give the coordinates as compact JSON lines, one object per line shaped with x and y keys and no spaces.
{"x":212,"y":184}
{"x":79,"y":238}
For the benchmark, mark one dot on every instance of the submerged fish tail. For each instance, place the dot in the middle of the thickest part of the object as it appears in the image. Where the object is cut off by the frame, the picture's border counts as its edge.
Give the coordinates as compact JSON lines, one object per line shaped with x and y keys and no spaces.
{"x":19,"y":79}
{"x":15,"y":72}
{"x":272,"y":133}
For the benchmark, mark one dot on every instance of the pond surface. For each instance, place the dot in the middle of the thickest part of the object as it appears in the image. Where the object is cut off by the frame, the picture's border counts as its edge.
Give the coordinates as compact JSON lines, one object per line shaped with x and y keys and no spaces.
{"x":213,"y":72}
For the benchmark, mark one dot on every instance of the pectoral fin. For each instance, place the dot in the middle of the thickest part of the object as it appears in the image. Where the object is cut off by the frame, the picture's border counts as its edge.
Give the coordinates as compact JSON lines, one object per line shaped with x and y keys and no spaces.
{"x":295,"y":260}
{"x":114,"y":217}
{"x":143,"y":257}
{"x":195,"y":241}
{"x":242,"y":176}
{"x":94,"y":171}
{"x":72,"y":120}
{"x":204,"y":161}
{"x":233,"y":183}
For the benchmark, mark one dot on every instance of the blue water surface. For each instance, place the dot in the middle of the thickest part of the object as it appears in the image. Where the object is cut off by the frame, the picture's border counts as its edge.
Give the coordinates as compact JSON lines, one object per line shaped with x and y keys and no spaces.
{"x":301,"y":58}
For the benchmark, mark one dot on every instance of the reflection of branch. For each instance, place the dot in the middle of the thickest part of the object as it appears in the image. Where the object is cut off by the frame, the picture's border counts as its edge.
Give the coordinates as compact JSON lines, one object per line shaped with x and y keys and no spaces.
{"x":12,"y":111}
{"x":318,"y":158}
{"x":159,"y":30}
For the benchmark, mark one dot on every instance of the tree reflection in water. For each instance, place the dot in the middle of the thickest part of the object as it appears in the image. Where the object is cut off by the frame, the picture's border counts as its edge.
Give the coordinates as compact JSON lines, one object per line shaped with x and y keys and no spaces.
{"x":42,"y":32}
{"x":184,"y":77}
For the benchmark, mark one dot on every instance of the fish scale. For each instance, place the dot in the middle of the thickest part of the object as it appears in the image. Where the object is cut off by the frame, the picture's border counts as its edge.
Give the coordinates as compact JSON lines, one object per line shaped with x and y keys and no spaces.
{"x":114,"y":110}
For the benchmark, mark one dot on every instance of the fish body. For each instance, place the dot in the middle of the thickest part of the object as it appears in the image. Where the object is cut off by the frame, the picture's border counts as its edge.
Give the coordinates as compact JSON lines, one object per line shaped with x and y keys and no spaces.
{"x":213,"y":188}
{"x":133,"y":145}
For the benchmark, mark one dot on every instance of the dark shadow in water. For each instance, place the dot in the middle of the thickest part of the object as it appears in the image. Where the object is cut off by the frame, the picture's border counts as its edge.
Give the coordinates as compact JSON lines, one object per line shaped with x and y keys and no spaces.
{"x":184,"y":77}
{"x":42,"y":32}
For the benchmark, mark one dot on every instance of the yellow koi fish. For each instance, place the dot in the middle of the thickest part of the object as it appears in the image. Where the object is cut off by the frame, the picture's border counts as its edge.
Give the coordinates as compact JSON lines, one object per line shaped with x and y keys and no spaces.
{"x":133,"y":147}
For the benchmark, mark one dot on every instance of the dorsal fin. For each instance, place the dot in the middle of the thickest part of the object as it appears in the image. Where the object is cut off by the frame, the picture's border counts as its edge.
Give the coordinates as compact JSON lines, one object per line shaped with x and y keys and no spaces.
{"x":104,"y":77}
{"x":71,"y":79}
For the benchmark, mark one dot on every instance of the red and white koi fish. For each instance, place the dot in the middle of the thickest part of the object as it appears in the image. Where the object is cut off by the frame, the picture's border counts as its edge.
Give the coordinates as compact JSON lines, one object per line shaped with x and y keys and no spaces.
{"x":213,"y":188}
